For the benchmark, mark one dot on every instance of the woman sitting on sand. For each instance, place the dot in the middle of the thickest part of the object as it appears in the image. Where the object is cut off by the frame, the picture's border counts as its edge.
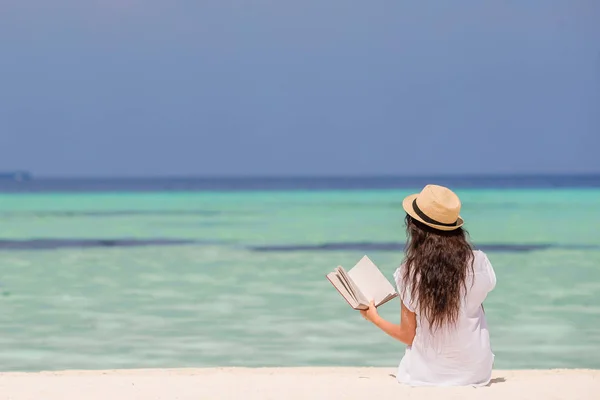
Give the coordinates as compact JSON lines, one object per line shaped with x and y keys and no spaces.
{"x":442,"y":283}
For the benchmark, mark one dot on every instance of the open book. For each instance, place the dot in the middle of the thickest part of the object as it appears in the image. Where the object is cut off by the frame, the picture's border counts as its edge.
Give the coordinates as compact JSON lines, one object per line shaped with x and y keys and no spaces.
{"x":363,"y":283}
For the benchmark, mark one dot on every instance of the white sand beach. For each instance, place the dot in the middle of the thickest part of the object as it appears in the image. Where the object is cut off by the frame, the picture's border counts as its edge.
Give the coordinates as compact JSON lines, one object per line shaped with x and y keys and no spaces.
{"x":286,"y":383}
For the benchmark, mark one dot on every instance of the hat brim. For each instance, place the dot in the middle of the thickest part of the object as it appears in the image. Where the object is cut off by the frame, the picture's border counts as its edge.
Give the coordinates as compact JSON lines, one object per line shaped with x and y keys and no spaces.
{"x":407,"y":204}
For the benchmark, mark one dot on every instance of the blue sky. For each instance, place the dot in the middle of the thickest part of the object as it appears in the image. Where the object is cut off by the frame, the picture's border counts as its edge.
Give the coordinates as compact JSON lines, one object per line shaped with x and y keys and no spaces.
{"x":312,"y":87}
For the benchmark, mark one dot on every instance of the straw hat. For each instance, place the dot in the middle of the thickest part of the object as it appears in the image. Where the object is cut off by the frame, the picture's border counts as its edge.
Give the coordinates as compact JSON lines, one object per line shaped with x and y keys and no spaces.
{"x":436,"y":206}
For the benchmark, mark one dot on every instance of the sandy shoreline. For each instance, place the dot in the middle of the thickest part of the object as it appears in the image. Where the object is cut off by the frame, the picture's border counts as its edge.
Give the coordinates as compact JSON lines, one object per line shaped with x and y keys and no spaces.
{"x":285,"y":383}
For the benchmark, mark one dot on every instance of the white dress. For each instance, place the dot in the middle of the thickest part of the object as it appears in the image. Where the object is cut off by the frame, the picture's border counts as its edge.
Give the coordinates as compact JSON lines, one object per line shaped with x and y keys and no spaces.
{"x":452,"y":356}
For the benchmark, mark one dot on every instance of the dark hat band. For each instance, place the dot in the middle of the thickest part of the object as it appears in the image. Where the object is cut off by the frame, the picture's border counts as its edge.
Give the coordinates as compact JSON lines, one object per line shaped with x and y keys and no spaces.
{"x":425,"y":218}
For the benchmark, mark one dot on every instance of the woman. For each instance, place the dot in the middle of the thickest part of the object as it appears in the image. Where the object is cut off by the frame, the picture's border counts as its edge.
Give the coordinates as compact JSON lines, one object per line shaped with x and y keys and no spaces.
{"x":442,"y":284}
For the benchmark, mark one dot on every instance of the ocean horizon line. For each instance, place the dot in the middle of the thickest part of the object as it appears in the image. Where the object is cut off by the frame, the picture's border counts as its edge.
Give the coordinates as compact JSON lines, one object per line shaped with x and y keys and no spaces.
{"x":316,"y":176}
{"x":293,"y":183}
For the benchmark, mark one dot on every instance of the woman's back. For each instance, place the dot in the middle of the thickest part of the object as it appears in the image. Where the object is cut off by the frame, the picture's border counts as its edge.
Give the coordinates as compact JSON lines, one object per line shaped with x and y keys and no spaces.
{"x":453,"y":354}
{"x":442,"y":284}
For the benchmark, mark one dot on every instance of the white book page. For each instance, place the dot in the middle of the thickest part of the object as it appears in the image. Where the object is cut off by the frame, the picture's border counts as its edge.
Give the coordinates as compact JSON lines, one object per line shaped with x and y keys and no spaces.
{"x":354,"y":288}
{"x":346,"y":286}
{"x":336,"y":281}
{"x":371,"y":282}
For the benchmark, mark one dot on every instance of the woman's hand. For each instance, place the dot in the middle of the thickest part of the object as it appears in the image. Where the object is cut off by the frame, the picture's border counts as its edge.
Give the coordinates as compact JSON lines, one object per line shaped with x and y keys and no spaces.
{"x":371,"y":314}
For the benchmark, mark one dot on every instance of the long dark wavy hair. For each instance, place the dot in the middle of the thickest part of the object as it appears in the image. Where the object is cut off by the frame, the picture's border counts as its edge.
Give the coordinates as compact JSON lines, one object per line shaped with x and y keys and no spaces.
{"x":436,"y":267}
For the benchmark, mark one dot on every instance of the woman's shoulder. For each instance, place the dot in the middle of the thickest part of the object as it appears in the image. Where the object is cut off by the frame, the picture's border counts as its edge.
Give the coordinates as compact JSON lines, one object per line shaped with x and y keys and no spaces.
{"x":481,"y":262}
{"x":482,"y":267}
{"x":398,"y":273}
{"x":479,"y":255}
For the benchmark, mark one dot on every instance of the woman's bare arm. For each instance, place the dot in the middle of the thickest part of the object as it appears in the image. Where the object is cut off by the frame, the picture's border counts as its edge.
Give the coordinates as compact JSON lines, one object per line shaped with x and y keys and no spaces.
{"x":404,"y":332}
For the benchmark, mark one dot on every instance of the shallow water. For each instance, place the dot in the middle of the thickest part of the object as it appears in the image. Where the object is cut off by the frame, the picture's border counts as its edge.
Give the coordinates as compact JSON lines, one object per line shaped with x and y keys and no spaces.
{"x":237,"y":278}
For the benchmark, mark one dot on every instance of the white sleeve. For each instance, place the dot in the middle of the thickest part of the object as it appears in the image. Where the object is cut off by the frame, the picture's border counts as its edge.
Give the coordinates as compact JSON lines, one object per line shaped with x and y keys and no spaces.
{"x":404,"y":290}
{"x":489,"y":270}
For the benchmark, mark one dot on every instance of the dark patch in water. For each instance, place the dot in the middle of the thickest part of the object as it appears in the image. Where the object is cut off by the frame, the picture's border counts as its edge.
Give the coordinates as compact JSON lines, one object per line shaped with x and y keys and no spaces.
{"x":53,"y":244}
{"x":364,"y":246}
{"x":371,"y":246}
{"x":115,"y":213}
{"x":201,"y":224}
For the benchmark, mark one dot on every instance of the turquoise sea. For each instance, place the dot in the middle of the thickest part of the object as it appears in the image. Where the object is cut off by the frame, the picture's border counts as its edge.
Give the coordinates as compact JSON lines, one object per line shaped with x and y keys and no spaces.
{"x":237,"y":278}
